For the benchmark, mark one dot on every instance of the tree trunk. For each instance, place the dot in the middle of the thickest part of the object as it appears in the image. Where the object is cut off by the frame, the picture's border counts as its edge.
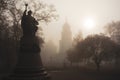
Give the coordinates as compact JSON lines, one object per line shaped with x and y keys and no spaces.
{"x":98,"y":66}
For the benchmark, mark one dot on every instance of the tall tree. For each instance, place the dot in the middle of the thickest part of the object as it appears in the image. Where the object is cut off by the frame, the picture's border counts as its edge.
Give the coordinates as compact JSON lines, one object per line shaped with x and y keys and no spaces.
{"x":98,"y":48}
{"x":10,"y":29}
{"x":72,"y":53}
{"x":113,"y":30}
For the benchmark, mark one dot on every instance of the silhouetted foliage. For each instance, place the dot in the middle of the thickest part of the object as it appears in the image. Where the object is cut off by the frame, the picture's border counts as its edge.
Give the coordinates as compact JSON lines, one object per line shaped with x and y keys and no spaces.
{"x":97,"y":48}
{"x":77,"y":38}
{"x":72,"y":56}
{"x":72,"y":53}
{"x":10,"y":27}
{"x":113,"y":30}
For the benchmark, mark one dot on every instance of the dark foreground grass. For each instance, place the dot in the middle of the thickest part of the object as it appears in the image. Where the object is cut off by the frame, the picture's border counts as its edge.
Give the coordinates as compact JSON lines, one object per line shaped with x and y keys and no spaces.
{"x":79,"y":74}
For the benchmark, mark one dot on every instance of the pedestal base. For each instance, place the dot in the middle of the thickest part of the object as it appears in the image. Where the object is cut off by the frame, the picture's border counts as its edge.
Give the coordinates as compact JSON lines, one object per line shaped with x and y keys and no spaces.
{"x":30,"y":73}
{"x":29,"y":67}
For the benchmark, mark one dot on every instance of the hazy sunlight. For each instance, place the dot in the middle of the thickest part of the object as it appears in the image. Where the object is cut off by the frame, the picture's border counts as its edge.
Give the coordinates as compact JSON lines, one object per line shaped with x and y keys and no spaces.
{"x":88,"y":23}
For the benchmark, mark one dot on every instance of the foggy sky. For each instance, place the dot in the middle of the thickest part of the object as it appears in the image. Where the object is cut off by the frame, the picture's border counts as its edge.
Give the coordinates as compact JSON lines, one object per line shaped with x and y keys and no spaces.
{"x":103,"y":11}
{"x":75,"y":11}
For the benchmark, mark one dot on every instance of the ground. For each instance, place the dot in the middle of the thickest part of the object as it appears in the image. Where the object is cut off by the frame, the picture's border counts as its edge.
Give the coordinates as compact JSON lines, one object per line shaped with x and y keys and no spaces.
{"x":84,"y":75}
{"x":81,"y":74}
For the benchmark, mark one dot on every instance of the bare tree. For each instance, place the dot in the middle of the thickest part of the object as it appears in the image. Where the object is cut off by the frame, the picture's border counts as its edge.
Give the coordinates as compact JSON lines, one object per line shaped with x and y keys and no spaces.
{"x":113,"y":30}
{"x":97,"y":48}
{"x":10,"y":27}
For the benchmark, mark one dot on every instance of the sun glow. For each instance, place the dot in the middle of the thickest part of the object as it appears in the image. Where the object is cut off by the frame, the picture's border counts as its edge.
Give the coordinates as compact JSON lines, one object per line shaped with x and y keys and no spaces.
{"x":89,"y":24}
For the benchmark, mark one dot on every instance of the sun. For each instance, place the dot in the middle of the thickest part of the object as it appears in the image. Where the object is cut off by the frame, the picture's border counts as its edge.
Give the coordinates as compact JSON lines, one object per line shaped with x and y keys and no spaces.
{"x":89,"y":23}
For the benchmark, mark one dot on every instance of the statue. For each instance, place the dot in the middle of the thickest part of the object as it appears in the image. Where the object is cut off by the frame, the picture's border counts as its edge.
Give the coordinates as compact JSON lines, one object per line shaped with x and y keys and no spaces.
{"x":28,"y":23}
{"x":29,"y":65}
{"x":29,"y":27}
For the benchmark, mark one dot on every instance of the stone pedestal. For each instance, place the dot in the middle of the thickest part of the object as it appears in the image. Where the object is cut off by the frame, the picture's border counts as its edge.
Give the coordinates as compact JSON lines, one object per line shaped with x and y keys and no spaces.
{"x":29,"y":65}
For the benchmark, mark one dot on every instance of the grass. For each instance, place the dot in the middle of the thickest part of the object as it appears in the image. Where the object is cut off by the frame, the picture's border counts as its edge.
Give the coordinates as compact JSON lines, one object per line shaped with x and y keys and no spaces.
{"x":84,"y":74}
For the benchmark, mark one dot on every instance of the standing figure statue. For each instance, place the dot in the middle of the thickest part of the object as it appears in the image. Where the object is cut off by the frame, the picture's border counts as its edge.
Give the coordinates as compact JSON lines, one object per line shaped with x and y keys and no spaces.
{"x":29,"y":64}
{"x":28,"y":23}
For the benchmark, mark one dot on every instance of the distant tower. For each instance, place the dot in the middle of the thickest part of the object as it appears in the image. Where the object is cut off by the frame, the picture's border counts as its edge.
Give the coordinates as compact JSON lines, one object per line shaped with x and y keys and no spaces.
{"x":65,"y":42}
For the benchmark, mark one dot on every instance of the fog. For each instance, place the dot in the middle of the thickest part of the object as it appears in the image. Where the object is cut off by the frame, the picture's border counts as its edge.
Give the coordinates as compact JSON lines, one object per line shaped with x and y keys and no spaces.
{"x":102,"y":11}
{"x":71,"y":39}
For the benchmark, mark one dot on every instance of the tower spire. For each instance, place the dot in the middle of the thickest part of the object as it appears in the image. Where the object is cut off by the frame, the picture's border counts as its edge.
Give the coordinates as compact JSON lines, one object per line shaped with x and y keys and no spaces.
{"x":65,"y":42}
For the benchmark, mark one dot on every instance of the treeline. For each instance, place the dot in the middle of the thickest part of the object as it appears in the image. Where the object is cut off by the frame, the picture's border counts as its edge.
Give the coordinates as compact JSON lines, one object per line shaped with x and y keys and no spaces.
{"x":10,"y":33}
{"x":98,"y":49}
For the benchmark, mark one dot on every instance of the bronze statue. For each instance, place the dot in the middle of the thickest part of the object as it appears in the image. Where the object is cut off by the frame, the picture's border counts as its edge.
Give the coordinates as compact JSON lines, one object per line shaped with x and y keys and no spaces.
{"x":29,"y":64}
{"x":28,"y":23}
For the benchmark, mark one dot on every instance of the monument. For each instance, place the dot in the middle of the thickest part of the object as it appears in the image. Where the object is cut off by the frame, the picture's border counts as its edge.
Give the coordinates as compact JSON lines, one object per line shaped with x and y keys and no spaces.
{"x":29,"y":65}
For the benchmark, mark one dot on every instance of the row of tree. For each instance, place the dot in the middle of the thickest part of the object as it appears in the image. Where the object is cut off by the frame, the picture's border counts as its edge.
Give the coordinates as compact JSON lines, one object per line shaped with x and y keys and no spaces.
{"x":97,"y":48}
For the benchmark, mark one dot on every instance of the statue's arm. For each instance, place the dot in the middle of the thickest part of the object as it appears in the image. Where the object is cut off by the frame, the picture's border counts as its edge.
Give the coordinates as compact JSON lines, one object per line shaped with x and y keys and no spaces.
{"x":24,"y":14}
{"x":23,"y":18}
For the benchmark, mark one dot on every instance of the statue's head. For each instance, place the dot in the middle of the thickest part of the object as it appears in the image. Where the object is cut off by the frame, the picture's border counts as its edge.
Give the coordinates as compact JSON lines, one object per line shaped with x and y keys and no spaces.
{"x":29,"y":12}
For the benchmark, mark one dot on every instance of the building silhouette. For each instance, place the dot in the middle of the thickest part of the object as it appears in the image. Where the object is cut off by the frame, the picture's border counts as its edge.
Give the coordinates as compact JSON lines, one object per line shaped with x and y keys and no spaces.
{"x":65,"y":43}
{"x":53,"y":58}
